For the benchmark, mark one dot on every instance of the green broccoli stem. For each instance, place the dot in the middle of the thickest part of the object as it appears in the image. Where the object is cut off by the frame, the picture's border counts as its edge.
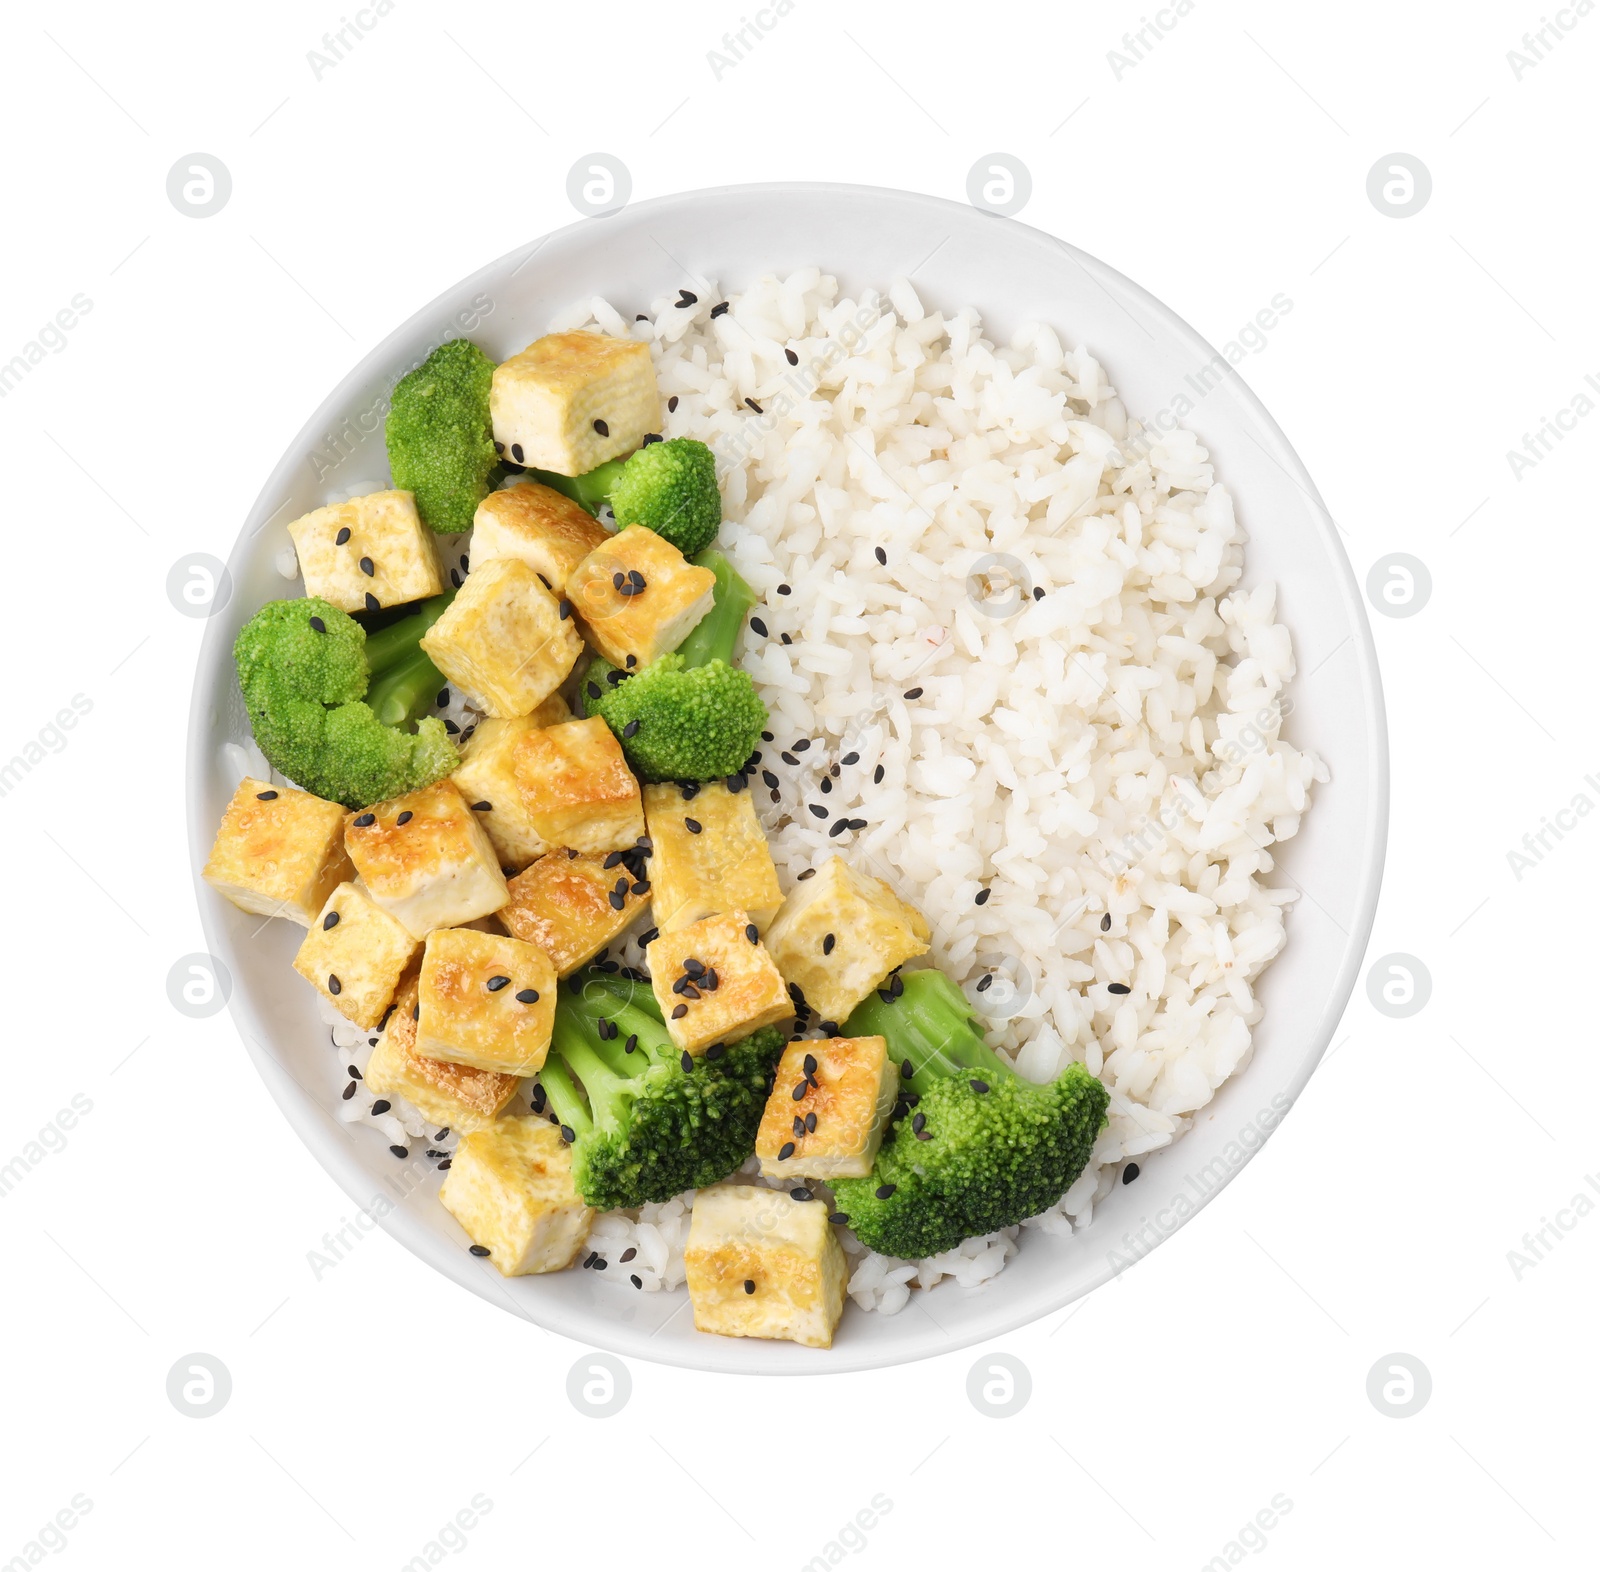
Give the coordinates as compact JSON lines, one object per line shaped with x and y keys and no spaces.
{"x":404,"y":691}
{"x":397,"y":640}
{"x":930,"y":1024}
{"x":566,"y":1102}
{"x":715,"y":634}
{"x":589,"y":490}
{"x":638,"y":994}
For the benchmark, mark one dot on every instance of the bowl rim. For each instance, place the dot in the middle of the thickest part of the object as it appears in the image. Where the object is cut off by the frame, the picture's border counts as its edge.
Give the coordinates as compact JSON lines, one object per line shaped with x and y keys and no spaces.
{"x":338,"y":1158}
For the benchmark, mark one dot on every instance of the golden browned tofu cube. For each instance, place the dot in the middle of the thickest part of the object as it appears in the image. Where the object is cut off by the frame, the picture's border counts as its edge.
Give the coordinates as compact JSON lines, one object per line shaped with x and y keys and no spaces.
{"x":839,"y":935}
{"x":548,"y":531}
{"x":279,"y":852}
{"x":637,"y":596}
{"x":369,"y":552}
{"x":505,"y":639}
{"x":571,"y":906}
{"x":572,"y":401}
{"x":510,"y":1186}
{"x":828,"y":1108}
{"x":456,"y":1095}
{"x":577,"y":789}
{"x":761,"y":1264}
{"x":355,"y":955}
{"x":487,"y":779}
{"x":715,"y":982}
{"x":425,"y":859}
{"x":486,"y":1000}
{"x":709,"y":855}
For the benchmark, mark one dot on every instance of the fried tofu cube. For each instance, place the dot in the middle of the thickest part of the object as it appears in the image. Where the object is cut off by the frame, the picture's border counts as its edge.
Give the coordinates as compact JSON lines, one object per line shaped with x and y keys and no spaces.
{"x":833,"y":1129}
{"x":839,"y":935}
{"x":425,"y":859}
{"x":457,"y":1095}
{"x":572,"y":906}
{"x":722,"y":863}
{"x":761,"y":1264}
{"x":577,"y":789}
{"x":355,"y":955}
{"x":638,"y":596}
{"x":715,"y":982}
{"x":505,"y":639}
{"x":369,"y":552}
{"x":487,"y":779}
{"x":279,"y":852}
{"x":572,"y":401}
{"x":548,"y":531}
{"x":510,"y":1186}
{"x":485,"y":999}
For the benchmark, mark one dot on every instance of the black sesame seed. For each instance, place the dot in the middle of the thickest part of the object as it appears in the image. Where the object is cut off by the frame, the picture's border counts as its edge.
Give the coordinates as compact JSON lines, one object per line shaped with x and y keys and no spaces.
{"x":783,"y":589}
{"x":736,"y":782}
{"x":367,"y":567}
{"x":631,"y":729}
{"x":751,"y":932}
{"x":884,"y":1191}
{"x":808,"y":873}
{"x":330,"y":921}
{"x":483,"y":805}
{"x":564,"y":610}
{"x":617,"y":902}
{"x":827,"y":944}
{"x":692,"y":826}
{"x":349,"y":1092}
{"x":753,"y":405}
{"x":980,"y":1087}
{"x":881,"y":555}
{"x":451,"y":727}
{"x":372,"y":603}
{"x":809,"y":1064}
{"x":640,"y":887}
{"x":478,"y":1249}
{"x":718,"y":309}
{"x":850,"y":758}
{"x":826,"y":786}
{"x":913,"y":693}
{"x":770,"y":779}
{"x":343,"y":537}
{"x":495,"y":984}
{"x":877,"y":776}
{"x":828,"y":1029}
{"x":801,"y":1088}
{"x":455,"y":577}
{"x":694,"y":967}
{"x":749,"y":1285}
{"x":791,"y":357}
{"x":266,"y":796}
{"x":672,"y":403}
{"x":334,"y":985}
{"x":567,"y":1134}
{"x":318,"y":625}
{"x":648,"y":438}
{"x":1118,"y":988}
{"x":686,"y":299}
{"x":838,"y":828}
{"x":818,"y":809}
{"x":382,"y":1106}
{"x":405,"y":818}
{"x":614,"y":677}
{"x":786,"y":1151}
{"x":1105,"y":923}
{"x":516,"y":451}
{"x":788,"y":758}
{"x":536,"y":1100}
{"x":631,"y":662}
{"x":635,"y":1279}
{"x":678,"y":1013}
{"x":984,"y":981}
{"x":400,"y":1151}
{"x":716,"y":1051}
{"x":841,"y":1218}
{"x":592,"y":689}
{"x":811,"y":1123}
{"x":800,"y":1194}
{"x":353,"y":1072}
{"x":907,"y":1069}
{"x":1130,"y":1173}
{"x":981,"y":898}
{"x":632,"y":1042}
{"x":617,"y":581}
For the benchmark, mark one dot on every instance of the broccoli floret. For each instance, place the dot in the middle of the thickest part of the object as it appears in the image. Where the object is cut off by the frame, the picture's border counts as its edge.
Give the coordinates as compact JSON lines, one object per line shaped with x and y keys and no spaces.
{"x":687,"y":716}
{"x":989,"y":1148}
{"x":441,"y":446}
{"x":303,"y":672}
{"x":669,"y":487}
{"x":646,"y":1122}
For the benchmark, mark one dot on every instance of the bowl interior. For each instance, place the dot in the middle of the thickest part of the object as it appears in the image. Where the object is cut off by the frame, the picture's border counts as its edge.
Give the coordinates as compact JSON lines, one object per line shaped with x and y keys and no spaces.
{"x":955,"y":255}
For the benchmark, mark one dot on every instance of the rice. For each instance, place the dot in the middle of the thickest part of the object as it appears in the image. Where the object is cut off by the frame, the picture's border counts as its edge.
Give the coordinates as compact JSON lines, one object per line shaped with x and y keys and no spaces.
{"x":1098,"y":731}
{"x":1064,"y":706}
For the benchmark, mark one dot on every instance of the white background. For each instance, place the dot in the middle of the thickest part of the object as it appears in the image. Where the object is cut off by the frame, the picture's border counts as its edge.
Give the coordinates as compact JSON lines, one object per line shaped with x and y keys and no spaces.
{"x":1227,"y":166}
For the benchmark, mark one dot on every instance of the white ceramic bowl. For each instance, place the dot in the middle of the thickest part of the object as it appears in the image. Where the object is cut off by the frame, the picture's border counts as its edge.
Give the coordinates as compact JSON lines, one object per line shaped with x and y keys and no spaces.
{"x":1013,"y":275}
